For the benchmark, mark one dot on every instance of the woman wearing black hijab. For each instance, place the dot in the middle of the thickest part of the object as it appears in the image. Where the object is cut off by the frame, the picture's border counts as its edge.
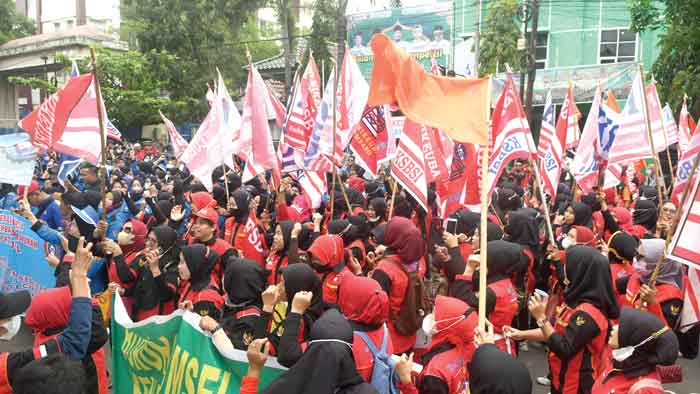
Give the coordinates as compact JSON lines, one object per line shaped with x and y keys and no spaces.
{"x":577,"y":339}
{"x":155,"y":290}
{"x":655,"y":344}
{"x":492,"y":371}
{"x":279,"y":251}
{"x":327,"y":366}
{"x":245,"y":318}
{"x":644,"y":217}
{"x":198,"y":291}
{"x":289,"y":344}
{"x":376,"y":211}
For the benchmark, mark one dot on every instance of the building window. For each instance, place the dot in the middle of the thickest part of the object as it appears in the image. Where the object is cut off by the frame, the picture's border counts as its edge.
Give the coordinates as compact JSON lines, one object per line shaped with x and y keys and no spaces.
{"x":70,"y":23}
{"x":541,"y":44}
{"x":57,"y":26}
{"x":617,"y":45}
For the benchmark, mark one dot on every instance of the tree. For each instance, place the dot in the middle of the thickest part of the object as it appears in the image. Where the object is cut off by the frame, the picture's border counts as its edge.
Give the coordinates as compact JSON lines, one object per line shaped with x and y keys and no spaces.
{"x":678,"y":65}
{"x":328,"y":22}
{"x":499,"y":38}
{"x":286,"y":20}
{"x":12,"y":24}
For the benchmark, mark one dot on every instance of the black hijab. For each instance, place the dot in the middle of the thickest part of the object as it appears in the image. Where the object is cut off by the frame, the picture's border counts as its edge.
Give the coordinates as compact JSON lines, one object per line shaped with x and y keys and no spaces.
{"x":493,"y":232}
{"x":244,"y":282}
{"x":379,"y":206}
{"x":622,"y":247}
{"x":503,"y":259}
{"x":168,"y":243}
{"x":146,"y":295}
{"x":327,"y":366}
{"x":242,"y":199}
{"x":583,"y":215}
{"x":286,"y":226}
{"x":588,"y":274}
{"x":301,"y":277}
{"x":645,"y":214}
{"x":378,"y":233}
{"x":493,"y":371}
{"x":467,"y":222}
{"x":522,"y":228}
{"x":200,"y":261}
{"x":636,"y":326}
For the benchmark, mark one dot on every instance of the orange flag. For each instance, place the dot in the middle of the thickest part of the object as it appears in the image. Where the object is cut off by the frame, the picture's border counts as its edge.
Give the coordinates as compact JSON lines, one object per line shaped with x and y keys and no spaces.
{"x":691,"y":123}
{"x":611,"y":102}
{"x":456,"y":106}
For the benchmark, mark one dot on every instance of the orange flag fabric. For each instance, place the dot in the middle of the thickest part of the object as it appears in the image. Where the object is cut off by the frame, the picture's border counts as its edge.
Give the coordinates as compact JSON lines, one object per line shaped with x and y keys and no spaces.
{"x":455,"y":105}
{"x":611,"y":102}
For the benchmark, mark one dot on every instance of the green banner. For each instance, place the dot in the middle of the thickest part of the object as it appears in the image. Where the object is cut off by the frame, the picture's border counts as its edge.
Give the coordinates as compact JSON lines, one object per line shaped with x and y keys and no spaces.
{"x":171,"y":355}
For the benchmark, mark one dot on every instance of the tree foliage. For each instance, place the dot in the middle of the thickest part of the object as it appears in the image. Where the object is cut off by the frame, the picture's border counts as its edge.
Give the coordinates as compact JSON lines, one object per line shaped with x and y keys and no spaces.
{"x":12,"y":24}
{"x":201,"y":35}
{"x":324,"y":29}
{"x":678,"y":65}
{"x":499,"y":37}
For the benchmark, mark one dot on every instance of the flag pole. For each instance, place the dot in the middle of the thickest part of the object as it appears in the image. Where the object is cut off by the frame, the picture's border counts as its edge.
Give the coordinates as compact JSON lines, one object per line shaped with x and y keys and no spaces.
{"x":393,"y":196}
{"x":483,"y":238}
{"x":342,"y":189}
{"x":663,"y":127}
{"x":103,"y":144}
{"x":645,"y":112}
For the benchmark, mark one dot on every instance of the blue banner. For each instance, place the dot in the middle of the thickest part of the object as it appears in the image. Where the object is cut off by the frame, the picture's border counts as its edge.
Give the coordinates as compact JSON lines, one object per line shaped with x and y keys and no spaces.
{"x":22,"y":256}
{"x":17,"y":159}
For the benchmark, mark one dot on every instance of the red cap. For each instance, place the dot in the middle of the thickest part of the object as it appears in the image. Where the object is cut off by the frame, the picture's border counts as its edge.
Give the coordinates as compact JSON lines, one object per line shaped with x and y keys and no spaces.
{"x":207,"y":213}
{"x":34,"y":186}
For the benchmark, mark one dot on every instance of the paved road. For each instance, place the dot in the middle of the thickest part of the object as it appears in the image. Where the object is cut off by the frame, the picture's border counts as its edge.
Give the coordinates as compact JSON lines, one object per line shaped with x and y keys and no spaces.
{"x":535,"y":360}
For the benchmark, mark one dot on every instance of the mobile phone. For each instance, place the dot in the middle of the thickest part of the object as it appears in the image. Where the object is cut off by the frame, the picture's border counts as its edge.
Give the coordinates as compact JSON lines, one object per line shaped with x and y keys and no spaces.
{"x":543,"y":295}
{"x":451,"y":225}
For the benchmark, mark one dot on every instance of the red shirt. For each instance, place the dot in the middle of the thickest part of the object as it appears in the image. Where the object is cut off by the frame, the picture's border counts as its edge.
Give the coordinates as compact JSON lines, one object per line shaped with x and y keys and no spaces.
{"x":617,"y":383}
{"x":364,"y":359}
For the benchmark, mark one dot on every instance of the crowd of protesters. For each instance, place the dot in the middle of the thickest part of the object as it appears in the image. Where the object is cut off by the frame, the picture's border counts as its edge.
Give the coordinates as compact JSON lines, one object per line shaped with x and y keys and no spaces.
{"x":333,"y":292}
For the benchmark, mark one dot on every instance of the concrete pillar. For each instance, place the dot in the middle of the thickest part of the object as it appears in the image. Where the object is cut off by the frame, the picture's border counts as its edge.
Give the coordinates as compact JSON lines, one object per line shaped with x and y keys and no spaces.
{"x":8,"y":104}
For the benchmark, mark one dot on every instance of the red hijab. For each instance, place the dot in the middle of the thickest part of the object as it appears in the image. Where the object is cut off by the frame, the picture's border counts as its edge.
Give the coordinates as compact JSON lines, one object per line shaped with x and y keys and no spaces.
{"x":327,"y":250}
{"x":404,"y":239}
{"x":139,"y":231}
{"x":362,"y":300}
{"x":584,"y":236}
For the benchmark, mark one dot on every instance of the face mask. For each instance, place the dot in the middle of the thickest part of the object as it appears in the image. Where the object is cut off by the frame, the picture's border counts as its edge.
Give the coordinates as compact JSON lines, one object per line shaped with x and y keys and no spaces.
{"x":430,"y":324}
{"x":12,"y":328}
{"x":330,"y":340}
{"x":626,"y":352}
{"x":567,"y":242}
{"x":640,"y":267}
{"x":125,"y":238}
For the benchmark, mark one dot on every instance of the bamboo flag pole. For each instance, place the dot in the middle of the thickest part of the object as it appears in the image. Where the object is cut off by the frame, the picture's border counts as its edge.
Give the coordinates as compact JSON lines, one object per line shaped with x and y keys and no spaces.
{"x":103,"y":147}
{"x":645,"y":112}
{"x":342,"y":189}
{"x":393,"y":196}
{"x":483,"y":239}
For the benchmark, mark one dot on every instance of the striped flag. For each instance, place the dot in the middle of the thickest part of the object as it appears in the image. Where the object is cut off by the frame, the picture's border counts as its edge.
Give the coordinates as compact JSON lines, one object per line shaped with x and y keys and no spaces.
{"x":110,"y":129}
{"x":656,"y":119}
{"x":685,"y":131}
{"x":685,"y":165}
{"x":670,"y":125}
{"x":547,"y":131}
{"x":553,"y":144}
{"x":690,"y":314}
{"x":178,"y":143}
{"x":304,"y":108}
{"x":408,"y":168}
{"x":511,"y":138}
{"x":586,"y":160}
{"x":462,"y":186}
{"x":630,"y":142}
{"x":313,"y":185}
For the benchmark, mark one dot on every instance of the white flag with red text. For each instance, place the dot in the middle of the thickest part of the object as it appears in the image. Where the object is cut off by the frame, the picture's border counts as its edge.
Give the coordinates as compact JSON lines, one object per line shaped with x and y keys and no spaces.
{"x":408,"y":167}
{"x":553,"y":145}
{"x":630,"y":141}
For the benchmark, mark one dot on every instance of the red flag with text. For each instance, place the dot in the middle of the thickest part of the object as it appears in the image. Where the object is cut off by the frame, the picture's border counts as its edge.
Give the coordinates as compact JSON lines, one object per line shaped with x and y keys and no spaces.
{"x":369,"y":142}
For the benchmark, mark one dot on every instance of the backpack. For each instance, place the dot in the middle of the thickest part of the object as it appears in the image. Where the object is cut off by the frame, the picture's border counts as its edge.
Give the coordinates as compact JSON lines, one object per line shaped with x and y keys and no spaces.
{"x":414,"y":307}
{"x":383,"y":374}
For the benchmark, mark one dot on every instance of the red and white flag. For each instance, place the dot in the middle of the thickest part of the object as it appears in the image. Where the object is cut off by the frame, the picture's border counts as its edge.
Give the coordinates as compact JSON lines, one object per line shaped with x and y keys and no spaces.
{"x":670,"y":125}
{"x":204,"y":153}
{"x":511,"y":138}
{"x":408,"y":168}
{"x":462,"y":188}
{"x":656,"y":119}
{"x":350,"y":100}
{"x":550,"y":164}
{"x":304,"y":109}
{"x":548,"y":129}
{"x":229,"y":137}
{"x":369,"y":142}
{"x":435,"y":164}
{"x":690,"y":314}
{"x":256,"y":140}
{"x":684,"y":129}
{"x":274,"y":107}
{"x":587,"y":158}
{"x":631,"y":140}
{"x":313,"y":185}
{"x":179,"y":144}
{"x":684,"y":166}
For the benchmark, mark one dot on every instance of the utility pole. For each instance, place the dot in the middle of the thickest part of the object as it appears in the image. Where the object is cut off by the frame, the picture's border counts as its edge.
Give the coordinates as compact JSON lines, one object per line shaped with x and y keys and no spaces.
{"x":342,"y":32}
{"x":287,"y":21}
{"x":532,"y":60}
{"x":477,"y":37}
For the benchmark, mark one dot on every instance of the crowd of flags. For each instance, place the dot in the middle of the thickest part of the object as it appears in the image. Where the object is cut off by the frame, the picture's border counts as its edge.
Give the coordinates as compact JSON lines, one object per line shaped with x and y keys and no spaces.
{"x":437,"y":145}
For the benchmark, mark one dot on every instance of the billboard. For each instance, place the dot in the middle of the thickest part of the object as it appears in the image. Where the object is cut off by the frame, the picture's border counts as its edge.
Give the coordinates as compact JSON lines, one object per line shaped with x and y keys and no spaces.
{"x":424,"y":32}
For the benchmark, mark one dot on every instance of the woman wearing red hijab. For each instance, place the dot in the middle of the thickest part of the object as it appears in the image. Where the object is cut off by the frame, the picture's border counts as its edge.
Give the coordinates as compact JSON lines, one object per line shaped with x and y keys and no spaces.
{"x":328,"y":260}
{"x":130,"y":243}
{"x":404,"y":248}
{"x":366,"y":306}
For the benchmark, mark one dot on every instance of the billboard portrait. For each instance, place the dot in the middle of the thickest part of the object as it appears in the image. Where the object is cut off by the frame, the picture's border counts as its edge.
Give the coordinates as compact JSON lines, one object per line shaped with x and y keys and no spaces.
{"x":422,"y":31}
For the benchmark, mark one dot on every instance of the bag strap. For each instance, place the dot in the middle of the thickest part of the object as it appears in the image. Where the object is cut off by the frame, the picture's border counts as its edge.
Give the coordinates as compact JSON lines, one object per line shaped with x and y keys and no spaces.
{"x":645,"y":383}
{"x":368,"y":342}
{"x":384,"y":339}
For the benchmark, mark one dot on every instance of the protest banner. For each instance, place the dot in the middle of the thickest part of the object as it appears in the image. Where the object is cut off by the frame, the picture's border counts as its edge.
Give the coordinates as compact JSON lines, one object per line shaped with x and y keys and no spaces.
{"x":22,"y":256}
{"x":17,"y":159}
{"x":170,"y":354}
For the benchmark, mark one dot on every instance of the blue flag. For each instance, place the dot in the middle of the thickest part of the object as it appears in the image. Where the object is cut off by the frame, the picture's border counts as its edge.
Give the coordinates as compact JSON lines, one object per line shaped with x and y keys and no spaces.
{"x":68,"y":165}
